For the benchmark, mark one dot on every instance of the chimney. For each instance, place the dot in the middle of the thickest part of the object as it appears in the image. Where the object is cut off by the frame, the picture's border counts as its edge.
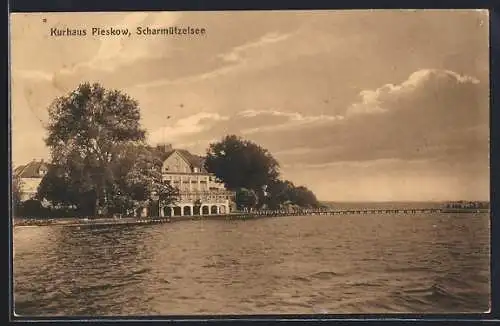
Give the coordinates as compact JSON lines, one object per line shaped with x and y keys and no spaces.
{"x":165,"y":147}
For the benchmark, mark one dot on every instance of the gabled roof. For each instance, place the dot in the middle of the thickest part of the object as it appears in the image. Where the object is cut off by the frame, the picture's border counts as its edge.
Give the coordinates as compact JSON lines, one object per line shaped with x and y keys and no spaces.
{"x":31,"y":170}
{"x":195,"y":161}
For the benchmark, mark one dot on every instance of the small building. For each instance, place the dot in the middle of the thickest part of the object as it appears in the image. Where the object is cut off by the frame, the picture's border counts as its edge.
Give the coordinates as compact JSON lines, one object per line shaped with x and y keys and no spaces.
{"x":200,"y":192}
{"x":30,"y":175}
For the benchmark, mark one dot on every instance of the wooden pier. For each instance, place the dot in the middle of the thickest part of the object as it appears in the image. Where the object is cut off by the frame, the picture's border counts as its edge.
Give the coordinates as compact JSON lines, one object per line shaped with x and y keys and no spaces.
{"x":350,"y":212}
{"x":81,"y":222}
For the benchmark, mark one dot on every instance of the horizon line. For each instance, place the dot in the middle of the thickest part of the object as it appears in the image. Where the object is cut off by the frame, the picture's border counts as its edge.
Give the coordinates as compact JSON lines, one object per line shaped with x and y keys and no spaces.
{"x":403,"y":201}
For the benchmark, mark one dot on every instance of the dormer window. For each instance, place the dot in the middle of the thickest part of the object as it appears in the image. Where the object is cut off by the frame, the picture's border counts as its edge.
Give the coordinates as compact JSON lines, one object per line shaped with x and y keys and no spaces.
{"x":196,"y":170}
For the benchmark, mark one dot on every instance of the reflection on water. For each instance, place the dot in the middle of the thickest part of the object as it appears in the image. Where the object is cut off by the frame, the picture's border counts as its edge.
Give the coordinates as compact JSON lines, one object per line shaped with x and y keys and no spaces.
{"x":313,"y":264}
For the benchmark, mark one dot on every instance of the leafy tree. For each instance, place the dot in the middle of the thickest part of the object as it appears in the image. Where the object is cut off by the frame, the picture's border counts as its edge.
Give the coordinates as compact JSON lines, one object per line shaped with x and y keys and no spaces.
{"x":87,"y":125}
{"x":303,"y":197}
{"x":278,"y":193}
{"x":138,"y":179}
{"x":246,"y":198}
{"x":97,"y":147}
{"x":33,"y":208}
{"x":242,"y":164}
{"x":57,"y":187}
{"x":286,"y":194}
{"x":134,"y":176}
{"x":17,"y":185}
{"x":254,"y":173}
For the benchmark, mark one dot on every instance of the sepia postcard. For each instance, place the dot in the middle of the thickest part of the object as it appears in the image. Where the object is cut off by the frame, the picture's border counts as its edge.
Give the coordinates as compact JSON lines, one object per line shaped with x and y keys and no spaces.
{"x":250,"y":163}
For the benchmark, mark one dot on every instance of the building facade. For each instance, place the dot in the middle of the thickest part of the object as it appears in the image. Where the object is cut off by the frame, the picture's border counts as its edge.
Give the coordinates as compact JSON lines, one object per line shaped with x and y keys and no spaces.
{"x":200,"y":192}
{"x":30,"y":176}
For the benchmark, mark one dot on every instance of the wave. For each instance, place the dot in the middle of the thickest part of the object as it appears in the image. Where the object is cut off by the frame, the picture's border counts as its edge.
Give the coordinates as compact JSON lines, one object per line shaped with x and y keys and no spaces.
{"x":301,"y":279}
{"x":407,"y":269}
{"x":325,"y":274}
{"x":221,"y":264}
{"x":447,"y":295}
{"x":364,"y":284}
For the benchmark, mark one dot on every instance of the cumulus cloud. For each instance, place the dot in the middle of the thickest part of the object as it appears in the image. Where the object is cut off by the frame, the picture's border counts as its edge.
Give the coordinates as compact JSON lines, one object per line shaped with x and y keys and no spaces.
{"x":431,"y":81}
{"x":433,"y":115}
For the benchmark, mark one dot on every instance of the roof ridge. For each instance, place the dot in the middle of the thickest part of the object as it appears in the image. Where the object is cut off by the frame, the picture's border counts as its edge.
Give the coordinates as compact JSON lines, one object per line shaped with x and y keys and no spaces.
{"x":183,"y":155}
{"x":23,"y":169}
{"x":31,"y":169}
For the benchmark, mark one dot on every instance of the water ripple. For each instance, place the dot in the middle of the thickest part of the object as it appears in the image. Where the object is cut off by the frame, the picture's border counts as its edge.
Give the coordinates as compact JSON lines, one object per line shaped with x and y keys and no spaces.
{"x":315,"y":264}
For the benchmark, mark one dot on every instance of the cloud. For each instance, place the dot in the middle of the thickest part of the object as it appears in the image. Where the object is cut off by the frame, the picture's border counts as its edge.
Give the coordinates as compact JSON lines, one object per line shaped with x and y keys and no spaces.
{"x":425,"y":80}
{"x":355,"y":164}
{"x":268,"y":50}
{"x":117,"y":51}
{"x":186,"y":80}
{"x":289,"y":120}
{"x":201,"y":128}
{"x":434,"y":115}
{"x":238,"y":53}
{"x":104,"y":59}
{"x":33,"y":75}
{"x":185,"y":127}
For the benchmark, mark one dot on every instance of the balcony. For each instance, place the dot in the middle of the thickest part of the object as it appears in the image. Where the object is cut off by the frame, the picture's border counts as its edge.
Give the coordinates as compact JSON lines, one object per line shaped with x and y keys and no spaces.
{"x":214,"y":196}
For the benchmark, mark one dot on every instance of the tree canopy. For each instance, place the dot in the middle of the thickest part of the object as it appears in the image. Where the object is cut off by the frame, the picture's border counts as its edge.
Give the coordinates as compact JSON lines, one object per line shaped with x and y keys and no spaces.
{"x":284,"y":193}
{"x":246,"y":199}
{"x":100,"y":162}
{"x":241,"y":163}
{"x":251,"y":170}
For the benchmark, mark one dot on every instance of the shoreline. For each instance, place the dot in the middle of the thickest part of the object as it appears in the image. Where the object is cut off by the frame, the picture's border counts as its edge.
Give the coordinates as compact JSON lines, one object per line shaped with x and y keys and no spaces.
{"x":26,"y":222}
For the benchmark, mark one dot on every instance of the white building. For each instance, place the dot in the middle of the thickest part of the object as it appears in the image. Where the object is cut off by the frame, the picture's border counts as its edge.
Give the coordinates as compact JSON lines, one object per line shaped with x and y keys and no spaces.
{"x":200,"y":193}
{"x":30,"y":176}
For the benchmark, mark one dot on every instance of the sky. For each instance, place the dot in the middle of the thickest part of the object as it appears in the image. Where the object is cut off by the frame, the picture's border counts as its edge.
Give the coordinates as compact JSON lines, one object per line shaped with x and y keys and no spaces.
{"x":356,"y":105}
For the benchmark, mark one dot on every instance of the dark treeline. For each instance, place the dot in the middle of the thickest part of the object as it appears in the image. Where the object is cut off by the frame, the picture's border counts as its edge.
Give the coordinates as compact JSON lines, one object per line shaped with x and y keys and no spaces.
{"x":101,"y":165}
{"x":253,"y":173}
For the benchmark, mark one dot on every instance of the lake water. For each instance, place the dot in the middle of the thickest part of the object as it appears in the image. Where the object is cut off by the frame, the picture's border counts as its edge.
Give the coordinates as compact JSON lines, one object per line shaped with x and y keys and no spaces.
{"x":289,"y":265}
